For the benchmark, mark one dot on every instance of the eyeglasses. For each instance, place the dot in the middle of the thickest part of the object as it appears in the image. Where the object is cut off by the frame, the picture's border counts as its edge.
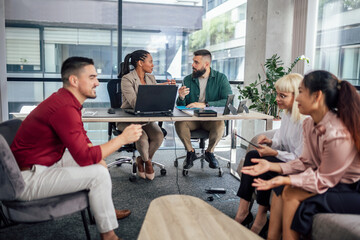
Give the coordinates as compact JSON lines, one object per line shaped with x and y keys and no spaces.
{"x":283,"y":96}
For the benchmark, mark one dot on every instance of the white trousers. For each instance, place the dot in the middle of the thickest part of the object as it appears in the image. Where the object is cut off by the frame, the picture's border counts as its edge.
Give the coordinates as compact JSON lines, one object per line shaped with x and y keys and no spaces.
{"x":66,"y":176}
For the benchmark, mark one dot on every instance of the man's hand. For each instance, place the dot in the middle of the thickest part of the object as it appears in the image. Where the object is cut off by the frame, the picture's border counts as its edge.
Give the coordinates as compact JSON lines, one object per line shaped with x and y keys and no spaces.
{"x":261,"y":167}
{"x":183,"y":91}
{"x":262,"y":139}
{"x":103,"y":163}
{"x":265,"y":151}
{"x":196,"y":105}
{"x":131,"y":133}
{"x":262,"y":185}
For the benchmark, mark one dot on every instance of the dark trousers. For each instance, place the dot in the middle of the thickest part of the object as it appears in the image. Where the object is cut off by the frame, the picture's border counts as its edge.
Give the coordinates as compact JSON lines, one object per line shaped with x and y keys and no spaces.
{"x":246,"y":190}
{"x":343,"y":198}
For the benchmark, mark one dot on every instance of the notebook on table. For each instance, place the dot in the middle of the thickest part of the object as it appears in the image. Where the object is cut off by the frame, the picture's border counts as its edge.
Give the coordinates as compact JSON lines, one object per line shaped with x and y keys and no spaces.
{"x":154,"y":100}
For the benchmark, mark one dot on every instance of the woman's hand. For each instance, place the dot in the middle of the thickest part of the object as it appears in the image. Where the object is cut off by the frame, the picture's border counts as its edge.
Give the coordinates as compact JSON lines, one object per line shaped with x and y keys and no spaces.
{"x":262,"y":139}
{"x":262,"y":185}
{"x":168,"y":82}
{"x":265,"y":151}
{"x":261,"y":167}
{"x":171,"y":82}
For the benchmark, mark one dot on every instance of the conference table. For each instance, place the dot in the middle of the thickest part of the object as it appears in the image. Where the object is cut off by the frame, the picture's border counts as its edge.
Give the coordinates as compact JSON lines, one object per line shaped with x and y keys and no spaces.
{"x":102,"y":115}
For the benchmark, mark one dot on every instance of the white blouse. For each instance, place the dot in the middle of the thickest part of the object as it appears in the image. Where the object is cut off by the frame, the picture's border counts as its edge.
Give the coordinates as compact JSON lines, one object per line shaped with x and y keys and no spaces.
{"x":288,"y":140}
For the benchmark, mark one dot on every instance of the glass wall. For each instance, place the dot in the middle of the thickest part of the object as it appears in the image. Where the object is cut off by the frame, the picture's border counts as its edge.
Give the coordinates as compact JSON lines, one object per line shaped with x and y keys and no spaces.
{"x":338,"y":41}
{"x":36,"y":49}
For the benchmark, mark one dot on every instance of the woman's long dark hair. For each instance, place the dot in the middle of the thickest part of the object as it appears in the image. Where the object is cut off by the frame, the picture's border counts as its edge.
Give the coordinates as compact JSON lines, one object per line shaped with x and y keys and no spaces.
{"x":132,"y":59}
{"x":340,"y":97}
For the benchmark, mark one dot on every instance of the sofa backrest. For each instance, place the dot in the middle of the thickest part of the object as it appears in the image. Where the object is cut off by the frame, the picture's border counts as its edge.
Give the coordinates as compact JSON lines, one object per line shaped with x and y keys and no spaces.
{"x":11,"y":181}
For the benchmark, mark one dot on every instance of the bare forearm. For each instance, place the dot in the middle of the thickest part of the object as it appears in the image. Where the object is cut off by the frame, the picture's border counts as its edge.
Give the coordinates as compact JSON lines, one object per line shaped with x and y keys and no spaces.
{"x":275,"y":167}
{"x":111,"y":146}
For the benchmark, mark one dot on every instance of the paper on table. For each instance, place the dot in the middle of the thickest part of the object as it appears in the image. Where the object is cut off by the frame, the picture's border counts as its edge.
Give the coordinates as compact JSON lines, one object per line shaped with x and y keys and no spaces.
{"x":89,"y":113}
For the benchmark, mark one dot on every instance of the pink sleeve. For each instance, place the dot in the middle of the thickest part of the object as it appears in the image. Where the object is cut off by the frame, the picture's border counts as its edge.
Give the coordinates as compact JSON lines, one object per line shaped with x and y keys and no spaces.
{"x":336,"y":155}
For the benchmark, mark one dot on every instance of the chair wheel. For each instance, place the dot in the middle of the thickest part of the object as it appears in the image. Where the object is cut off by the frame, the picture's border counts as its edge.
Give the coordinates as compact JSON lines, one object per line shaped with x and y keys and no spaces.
{"x":163,"y":172}
{"x":132,"y":179}
{"x":176,"y":163}
{"x":185,"y":172}
{"x":228,"y":165}
{"x":221,"y":173}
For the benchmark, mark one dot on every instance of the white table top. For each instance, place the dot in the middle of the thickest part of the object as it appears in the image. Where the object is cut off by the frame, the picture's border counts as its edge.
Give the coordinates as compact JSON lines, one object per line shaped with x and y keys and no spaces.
{"x":101,"y":115}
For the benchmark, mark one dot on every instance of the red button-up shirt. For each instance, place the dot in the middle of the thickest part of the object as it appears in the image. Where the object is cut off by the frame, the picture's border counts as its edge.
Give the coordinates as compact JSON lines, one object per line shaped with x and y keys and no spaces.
{"x":55,"y":124}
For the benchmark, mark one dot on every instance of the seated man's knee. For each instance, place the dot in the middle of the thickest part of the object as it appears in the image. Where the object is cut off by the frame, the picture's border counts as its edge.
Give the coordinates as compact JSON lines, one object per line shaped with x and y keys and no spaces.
{"x":102,"y":174}
{"x":179,"y":125}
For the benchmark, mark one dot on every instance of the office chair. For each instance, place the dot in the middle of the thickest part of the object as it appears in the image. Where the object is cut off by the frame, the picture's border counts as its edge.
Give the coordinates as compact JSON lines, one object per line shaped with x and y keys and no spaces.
{"x":114,"y":90}
{"x":202,"y":135}
{"x":12,"y":184}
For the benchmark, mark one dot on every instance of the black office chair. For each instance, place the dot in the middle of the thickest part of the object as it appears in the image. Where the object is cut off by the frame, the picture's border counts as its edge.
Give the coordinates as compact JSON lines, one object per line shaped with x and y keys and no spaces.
{"x":114,"y":90}
{"x":202,"y":135}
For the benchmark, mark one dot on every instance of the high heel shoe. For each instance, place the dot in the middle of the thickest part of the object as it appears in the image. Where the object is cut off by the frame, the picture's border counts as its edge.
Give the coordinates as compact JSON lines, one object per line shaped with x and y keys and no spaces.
{"x":149,"y":170}
{"x":140,"y":167}
{"x":248,"y":220}
{"x":264,"y":230}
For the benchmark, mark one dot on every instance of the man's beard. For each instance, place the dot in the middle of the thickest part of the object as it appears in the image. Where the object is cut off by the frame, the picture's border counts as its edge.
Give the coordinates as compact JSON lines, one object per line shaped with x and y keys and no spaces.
{"x":198,"y":73}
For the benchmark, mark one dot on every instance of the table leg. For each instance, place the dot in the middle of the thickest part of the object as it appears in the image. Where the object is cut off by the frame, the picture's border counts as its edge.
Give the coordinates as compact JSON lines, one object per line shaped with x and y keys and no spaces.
{"x":233,"y":149}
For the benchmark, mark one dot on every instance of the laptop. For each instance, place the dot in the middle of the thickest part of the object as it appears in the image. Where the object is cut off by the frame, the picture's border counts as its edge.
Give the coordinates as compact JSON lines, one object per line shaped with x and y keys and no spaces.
{"x":154,"y":100}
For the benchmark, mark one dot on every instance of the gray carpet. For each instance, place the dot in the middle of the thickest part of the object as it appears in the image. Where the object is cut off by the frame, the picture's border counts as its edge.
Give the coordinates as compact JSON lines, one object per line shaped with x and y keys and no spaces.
{"x":137,"y":196}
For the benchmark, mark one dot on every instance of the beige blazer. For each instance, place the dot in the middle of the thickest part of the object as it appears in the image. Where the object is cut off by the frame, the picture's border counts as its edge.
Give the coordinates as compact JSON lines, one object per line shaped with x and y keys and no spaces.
{"x":129,"y":88}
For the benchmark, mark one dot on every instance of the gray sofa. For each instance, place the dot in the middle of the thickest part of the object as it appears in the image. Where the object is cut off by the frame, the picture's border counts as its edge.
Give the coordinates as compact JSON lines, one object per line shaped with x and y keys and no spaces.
{"x":326,"y":226}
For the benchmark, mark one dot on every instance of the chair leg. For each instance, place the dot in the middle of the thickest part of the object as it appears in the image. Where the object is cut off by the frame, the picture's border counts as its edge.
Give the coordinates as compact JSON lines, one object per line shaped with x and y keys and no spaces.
{"x":83,"y":216}
{"x":3,"y":217}
{"x":91,"y":216}
{"x":120,"y":161}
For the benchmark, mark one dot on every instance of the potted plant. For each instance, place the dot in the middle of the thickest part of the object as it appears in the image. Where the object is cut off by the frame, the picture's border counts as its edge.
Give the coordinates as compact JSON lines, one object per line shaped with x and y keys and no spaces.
{"x":262,"y":93}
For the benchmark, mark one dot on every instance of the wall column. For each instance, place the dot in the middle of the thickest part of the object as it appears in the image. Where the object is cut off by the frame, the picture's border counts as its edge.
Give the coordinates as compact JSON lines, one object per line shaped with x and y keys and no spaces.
{"x":269,"y":30}
{"x":3,"y":80}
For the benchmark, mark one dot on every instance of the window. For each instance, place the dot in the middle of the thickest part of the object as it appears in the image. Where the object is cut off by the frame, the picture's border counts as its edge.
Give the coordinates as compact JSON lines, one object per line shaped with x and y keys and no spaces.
{"x":61,"y":43}
{"x":338,"y":42}
{"x":350,"y":64}
{"x":22,"y":49}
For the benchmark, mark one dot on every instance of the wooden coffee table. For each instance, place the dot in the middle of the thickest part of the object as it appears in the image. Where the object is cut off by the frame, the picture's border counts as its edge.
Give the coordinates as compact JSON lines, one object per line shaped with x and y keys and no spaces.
{"x":186,"y":217}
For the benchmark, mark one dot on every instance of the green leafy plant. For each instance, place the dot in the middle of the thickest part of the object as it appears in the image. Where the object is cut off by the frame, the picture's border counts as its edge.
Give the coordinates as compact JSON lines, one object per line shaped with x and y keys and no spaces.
{"x":262,"y":93}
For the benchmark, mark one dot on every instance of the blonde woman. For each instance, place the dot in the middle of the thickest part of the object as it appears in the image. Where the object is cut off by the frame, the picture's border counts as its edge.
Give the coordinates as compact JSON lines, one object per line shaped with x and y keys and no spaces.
{"x":286,"y":145}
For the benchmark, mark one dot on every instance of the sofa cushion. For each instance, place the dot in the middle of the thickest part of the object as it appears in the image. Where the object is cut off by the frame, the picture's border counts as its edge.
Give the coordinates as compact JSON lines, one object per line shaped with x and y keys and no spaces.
{"x":336,"y":226}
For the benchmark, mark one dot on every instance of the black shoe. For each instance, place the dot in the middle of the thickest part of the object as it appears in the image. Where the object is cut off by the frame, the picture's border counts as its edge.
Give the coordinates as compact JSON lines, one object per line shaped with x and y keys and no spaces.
{"x":264,"y":230}
{"x":210,"y":158}
{"x":189,"y":161}
{"x":248,"y":220}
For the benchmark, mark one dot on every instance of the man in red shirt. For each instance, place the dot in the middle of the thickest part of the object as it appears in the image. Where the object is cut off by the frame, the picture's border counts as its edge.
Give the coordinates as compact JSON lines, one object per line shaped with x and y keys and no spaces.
{"x":54,"y":153}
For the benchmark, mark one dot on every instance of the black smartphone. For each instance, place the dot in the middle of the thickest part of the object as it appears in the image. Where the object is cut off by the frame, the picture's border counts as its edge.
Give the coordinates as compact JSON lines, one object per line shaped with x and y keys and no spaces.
{"x":253,"y":144}
{"x":215,"y":190}
{"x":229,"y":100}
